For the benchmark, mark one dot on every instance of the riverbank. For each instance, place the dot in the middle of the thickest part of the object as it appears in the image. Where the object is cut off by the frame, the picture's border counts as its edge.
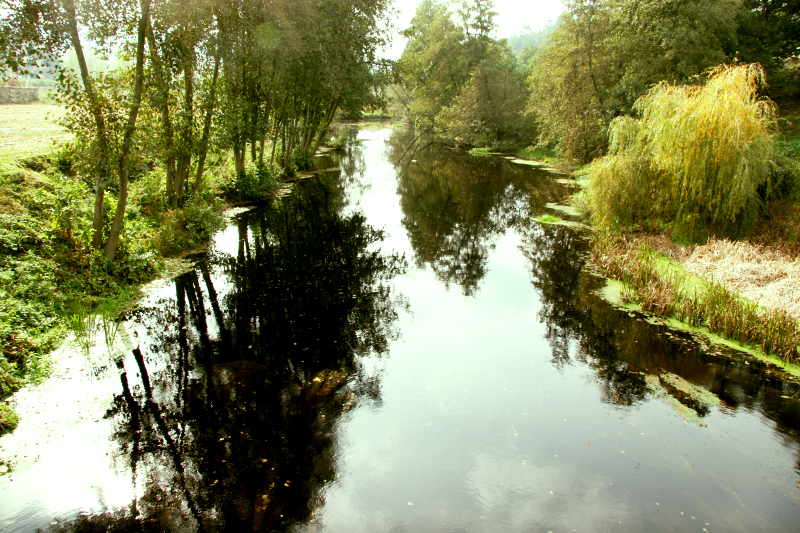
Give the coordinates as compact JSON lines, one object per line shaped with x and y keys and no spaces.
{"x":744,"y":293}
{"x":51,"y":281}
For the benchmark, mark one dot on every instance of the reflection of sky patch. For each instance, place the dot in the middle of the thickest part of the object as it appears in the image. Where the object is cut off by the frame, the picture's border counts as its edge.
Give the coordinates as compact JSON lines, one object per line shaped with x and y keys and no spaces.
{"x":517,"y":494}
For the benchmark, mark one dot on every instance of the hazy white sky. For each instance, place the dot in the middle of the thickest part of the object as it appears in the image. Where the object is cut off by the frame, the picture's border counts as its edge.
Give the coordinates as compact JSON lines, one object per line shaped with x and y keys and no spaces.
{"x":512,"y":15}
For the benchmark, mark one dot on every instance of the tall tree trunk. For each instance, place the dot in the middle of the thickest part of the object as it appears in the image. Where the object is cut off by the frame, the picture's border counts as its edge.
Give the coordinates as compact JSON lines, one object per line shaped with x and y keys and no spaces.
{"x":163,"y":105}
{"x":96,"y":108}
{"x":321,"y":136}
{"x":185,"y":156}
{"x":239,"y":154}
{"x":201,"y":158}
{"x":127,"y":141}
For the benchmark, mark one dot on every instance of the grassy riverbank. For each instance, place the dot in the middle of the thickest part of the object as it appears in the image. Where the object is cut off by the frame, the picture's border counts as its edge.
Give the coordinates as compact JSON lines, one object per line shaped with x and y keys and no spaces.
{"x":50,"y":278}
{"x":745,"y":290}
{"x":672,"y":289}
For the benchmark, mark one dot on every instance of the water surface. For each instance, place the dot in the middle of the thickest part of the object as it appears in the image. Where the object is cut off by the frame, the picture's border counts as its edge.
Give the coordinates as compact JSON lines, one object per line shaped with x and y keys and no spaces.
{"x":400,"y":347}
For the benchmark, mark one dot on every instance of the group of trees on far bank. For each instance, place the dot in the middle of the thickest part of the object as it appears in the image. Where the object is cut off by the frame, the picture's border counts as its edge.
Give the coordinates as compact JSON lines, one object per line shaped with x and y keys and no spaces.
{"x":666,"y":98}
{"x":565,"y":84}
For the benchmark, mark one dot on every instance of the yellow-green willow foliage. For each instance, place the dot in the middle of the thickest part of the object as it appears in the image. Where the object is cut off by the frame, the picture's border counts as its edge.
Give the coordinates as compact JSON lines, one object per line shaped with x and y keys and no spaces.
{"x":698,"y":157}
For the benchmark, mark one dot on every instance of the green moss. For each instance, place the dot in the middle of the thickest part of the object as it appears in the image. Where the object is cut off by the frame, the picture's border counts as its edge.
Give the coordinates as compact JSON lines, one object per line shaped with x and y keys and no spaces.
{"x":566,"y":209}
{"x":556,"y":221}
{"x":8,"y":419}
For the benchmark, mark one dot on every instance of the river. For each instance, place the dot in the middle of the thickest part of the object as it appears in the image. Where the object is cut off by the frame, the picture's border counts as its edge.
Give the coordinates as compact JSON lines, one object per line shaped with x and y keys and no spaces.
{"x":397,"y":346}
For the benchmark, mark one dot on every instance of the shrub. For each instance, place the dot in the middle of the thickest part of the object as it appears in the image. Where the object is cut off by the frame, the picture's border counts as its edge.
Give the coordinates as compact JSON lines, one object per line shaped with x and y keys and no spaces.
{"x":187,"y":228}
{"x":257,"y":181}
{"x":149,"y":191}
{"x":299,"y":161}
{"x":700,"y":157}
{"x":8,"y":419}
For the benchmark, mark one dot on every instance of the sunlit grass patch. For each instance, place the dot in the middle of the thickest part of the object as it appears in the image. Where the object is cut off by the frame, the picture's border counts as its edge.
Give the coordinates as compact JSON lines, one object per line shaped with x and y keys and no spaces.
{"x":482,"y":151}
{"x":547,"y":155}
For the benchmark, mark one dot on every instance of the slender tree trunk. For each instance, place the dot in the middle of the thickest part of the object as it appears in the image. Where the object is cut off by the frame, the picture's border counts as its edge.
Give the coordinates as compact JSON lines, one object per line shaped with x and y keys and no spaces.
{"x":278,"y":126}
{"x":238,"y":158}
{"x":163,"y":105}
{"x":331,"y":113}
{"x":201,"y":158}
{"x":127,"y":142}
{"x":96,"y":108}
{"x":185,"y":157}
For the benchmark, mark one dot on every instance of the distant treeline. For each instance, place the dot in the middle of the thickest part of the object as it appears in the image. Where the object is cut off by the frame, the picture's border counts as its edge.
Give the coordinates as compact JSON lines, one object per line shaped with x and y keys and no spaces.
{"x":564,"y":85}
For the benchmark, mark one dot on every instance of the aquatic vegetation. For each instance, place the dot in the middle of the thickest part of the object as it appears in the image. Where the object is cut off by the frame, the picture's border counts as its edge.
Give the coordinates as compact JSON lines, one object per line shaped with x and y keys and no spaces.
{"x":80,"y":320}
{"x":687,"y":399}
{"x":548,"y":219}
{"x":665,"y":289}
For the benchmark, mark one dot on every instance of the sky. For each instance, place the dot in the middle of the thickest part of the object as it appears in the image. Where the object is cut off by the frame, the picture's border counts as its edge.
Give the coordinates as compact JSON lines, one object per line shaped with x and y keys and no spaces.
{"x":512,"y":15}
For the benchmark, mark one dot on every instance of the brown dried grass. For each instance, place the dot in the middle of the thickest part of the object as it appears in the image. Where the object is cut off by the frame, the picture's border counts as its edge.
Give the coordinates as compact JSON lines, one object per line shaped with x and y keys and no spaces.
{"x":671,"y":292}
{"x":769,"y":277}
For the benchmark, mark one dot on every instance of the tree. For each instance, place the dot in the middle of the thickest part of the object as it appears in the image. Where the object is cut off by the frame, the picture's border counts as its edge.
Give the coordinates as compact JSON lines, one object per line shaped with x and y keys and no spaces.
{"x":700,"y":157}
{"x":462,"y":84}
{"x":489,"y":110}
{"x":249,"y":73}
{"x":768,"y":32}
{"x":606,"y":54}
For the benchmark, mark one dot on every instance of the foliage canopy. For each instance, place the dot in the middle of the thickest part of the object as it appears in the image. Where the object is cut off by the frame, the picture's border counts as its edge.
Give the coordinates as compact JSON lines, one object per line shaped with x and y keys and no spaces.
{"x":700,"y":157}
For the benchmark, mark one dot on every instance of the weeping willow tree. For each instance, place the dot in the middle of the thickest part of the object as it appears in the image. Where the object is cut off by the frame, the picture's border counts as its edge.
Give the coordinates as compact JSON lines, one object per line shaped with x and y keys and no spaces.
{"x":699,"y":157}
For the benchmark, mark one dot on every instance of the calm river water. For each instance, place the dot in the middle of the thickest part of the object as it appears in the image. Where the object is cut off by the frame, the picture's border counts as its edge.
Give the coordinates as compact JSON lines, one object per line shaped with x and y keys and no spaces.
{"x":399,"y":347}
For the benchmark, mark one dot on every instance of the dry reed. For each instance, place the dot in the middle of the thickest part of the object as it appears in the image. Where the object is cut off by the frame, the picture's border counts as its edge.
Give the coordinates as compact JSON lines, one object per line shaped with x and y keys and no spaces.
{"x":768,"y":277}
{"x":669,"y":293}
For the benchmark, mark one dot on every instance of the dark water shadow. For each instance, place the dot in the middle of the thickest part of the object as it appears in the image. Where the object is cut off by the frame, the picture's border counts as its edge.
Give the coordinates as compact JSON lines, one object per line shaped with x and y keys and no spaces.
{"x":227,"y":414}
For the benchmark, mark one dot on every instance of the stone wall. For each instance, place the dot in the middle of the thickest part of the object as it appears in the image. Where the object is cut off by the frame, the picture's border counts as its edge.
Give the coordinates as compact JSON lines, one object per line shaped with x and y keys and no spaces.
{"x":18,"y":95}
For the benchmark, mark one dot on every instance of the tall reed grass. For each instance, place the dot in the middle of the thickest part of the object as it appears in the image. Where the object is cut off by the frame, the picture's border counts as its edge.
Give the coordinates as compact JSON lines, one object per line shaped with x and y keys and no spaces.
{"x":670,"y":293}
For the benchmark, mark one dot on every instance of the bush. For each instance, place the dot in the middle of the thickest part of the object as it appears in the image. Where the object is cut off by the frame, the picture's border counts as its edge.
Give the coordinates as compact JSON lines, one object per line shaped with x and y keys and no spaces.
{"x":257,"y":181}
{"x":299,"y":161}
{"x":700,"y":157}
{"x":8,"y":419}
{"x":189,"y":227}
{"x":149,"y":191}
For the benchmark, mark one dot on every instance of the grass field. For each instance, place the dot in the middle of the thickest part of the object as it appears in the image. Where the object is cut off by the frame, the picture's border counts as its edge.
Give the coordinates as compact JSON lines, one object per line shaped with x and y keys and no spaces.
{"x":30,"y":129}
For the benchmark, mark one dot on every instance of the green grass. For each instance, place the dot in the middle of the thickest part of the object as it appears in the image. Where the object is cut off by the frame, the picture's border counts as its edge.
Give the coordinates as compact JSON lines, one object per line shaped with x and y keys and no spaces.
{"x":547,"y":155}
{"x":485,"y":151}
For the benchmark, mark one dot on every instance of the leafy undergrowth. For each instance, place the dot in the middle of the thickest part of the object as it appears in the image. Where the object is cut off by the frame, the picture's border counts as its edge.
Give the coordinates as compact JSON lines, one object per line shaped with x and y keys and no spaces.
{"x":46,"y":264}
{"x":666,"y":289}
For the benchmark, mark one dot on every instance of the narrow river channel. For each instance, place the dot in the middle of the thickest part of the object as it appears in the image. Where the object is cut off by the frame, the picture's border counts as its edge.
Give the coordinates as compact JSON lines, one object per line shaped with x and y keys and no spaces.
{"x":398,"y":346}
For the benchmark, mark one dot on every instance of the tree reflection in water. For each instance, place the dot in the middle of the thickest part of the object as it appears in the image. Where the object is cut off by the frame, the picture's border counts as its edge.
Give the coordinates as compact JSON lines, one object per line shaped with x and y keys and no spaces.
{"x":623,"y":349}
{"x":226,"y":418}
{"x":455,"y":206}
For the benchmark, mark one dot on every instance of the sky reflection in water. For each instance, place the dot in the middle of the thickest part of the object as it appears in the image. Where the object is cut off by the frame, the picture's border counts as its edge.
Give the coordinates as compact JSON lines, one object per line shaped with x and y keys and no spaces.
{"x":401,"y":348}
